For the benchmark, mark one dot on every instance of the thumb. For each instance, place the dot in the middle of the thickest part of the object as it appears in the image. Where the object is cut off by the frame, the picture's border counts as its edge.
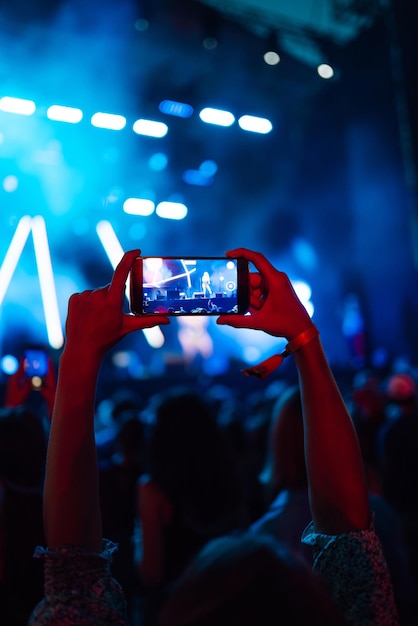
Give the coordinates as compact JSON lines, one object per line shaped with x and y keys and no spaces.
{"x":236,"y":321}
{"x":133,"y":322}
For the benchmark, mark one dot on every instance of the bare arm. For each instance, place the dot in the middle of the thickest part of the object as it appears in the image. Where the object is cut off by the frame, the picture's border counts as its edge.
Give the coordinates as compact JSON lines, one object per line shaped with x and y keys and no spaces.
{"x":95,"y":323}
{"x":337,"y":485}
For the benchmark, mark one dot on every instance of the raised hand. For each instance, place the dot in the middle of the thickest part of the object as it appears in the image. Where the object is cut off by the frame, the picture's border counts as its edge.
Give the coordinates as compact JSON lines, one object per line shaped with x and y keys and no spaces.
{"x":274,"y":305}
{"x":96,"y":320}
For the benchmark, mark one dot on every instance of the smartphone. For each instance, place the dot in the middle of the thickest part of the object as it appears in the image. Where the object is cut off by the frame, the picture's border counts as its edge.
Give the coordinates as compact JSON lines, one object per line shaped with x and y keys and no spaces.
{"x":189,"y":286}
{"x":35,"y":362}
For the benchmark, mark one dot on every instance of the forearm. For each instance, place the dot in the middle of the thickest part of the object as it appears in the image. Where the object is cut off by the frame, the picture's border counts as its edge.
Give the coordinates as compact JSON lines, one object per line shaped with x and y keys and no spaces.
{"x":71,"y":502}
{"x":337,"y":485}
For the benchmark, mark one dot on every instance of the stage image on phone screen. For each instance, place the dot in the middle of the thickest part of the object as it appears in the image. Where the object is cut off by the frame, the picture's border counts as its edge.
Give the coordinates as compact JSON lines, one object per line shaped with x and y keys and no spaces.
{"x":189,"y":286}
{"x":35,"y":363}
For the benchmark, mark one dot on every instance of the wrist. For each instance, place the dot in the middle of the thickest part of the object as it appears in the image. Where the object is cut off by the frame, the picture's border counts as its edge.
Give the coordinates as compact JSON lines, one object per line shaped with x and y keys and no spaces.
{"x":297,"y":344}
{"x":79,"y":360}
{"x":300,"y":340}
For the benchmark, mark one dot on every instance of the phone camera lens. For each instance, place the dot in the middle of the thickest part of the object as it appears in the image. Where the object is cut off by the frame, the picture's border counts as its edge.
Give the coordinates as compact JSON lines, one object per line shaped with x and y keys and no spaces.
{"x":36,"y":382}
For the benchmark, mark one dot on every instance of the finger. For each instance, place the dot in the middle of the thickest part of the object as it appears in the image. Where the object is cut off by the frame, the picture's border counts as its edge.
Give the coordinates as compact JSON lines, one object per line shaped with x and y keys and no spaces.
{"x":237,"y":321}
{"x":74,"y":301}
{"x":256,"y":280}
{"x":256,"y":258}
{"x":120,"y":275}
{"x":139,"y":322}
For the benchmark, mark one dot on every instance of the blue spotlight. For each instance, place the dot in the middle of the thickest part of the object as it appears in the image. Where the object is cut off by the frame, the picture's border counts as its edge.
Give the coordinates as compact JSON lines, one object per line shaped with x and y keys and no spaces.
{"x":209,"y":168}
{"x":197,"y":177}
{"x":178,"y":109}
{"x":158,"y":162}
{"x":9,"y":364}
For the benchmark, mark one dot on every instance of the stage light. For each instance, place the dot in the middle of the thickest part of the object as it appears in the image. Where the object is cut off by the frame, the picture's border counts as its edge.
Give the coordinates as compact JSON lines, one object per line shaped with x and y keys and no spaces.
{"x":304,"y":292}
{"x":255,"y":124}
{"x":154,"y":337}
{"x":138,"y":206}
{"x":46,"y":280}
{"x":17,"y":105}
{"x":10,"y":183}
{"x":178,"y":109}
{"x":304,"y":253}
{"x":9,"y":364}
{"x":150,"y":128}
{"x":108,"y":120}
{"x":44,"y":267}
{"x":137,"y":231}
{"x":60,"y":113}
{"x":111,"y":244}
{"x":171,"y":210}
{"x":196,"y":177}
{"x":158,"y":162}
{"x":217,"y":117}
{"x":141,"y":24}
{"x":271,"y":58}
{"x":210,"y":43}
{"x":252,"y":354}
{"x":13,"y":254}
{"x":325,"y":71}
{"x":208,"y":167}
{"x":114,"y":251}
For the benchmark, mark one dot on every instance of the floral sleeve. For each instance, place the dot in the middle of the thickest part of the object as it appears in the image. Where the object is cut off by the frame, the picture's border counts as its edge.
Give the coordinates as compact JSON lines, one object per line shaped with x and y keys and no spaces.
{"x":355,"y":571}
{"x":79,"y":589}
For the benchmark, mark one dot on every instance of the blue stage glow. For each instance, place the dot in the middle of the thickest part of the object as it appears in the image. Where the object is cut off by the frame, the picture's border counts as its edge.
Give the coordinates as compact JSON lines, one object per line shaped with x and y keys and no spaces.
{"x":158,"y":162}
{"x":209,"y":167}
{"x":304,"y":292}
{"x":196,"y":177}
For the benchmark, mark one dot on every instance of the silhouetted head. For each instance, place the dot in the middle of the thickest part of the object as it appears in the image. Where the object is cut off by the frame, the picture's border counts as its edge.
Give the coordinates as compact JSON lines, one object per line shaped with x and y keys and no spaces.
{"x":23,"y":445}
{"x":286,"y":457}
{"x":248,"y":580}
{"x":191,"y":460}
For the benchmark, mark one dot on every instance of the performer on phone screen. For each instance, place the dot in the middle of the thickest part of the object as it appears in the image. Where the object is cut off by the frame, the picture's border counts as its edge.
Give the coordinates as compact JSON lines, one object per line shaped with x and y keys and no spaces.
{"x":206,"y":288}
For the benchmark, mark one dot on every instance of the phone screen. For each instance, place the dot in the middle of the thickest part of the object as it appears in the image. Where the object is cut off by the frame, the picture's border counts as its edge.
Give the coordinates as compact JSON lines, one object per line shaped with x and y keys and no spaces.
{"x":189,"y":286}
{"x":35,"y":363}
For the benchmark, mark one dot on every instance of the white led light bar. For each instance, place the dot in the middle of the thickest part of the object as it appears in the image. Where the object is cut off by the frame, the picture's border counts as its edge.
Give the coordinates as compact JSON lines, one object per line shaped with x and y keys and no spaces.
{"x":45,"y":273}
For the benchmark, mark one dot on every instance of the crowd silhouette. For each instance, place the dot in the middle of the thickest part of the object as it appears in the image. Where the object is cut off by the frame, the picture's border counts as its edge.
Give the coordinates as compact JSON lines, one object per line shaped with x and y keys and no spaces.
{"x":193,"y":508}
